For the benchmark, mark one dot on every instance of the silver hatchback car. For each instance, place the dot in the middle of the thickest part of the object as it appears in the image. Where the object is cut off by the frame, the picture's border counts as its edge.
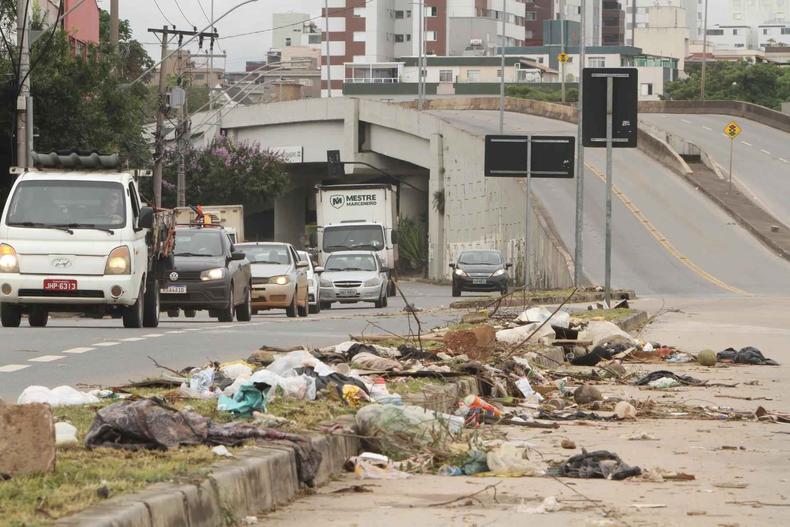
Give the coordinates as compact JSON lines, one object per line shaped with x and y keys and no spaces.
{"x":353,"y":276}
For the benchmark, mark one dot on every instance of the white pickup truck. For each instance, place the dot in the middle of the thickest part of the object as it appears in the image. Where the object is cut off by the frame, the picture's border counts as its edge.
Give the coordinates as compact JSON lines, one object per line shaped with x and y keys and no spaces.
{"x":81,"y":241}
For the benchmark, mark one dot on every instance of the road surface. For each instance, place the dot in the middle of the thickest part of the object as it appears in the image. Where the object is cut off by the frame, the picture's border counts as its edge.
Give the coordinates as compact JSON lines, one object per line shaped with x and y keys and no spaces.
{"x":761,"y":154}
{"x":668,"y":238}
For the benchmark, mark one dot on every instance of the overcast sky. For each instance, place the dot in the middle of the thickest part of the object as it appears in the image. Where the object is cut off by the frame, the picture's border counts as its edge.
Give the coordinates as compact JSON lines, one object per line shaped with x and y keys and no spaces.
{"x":257,"y":16}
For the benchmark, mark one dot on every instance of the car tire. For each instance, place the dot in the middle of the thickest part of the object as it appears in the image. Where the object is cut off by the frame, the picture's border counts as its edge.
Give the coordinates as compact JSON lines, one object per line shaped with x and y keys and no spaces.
{"x":456,"y":290}
{"x":151,"y":305}
{"x":304,"y":309}
{"x":391,"y":289}
{"x":504,"y":291}
{"x":37,"y":317}
{"x":133,"y":315}
{"x":173,"y":313}
{"x":382,"y":301}
{"x":244,"y":311}
{"x":226,"y":314}
{"x":315,"y":308}
{"x":291,"y":310}
{"x":326,"y":305}
{"x":10,"y":315}
{"x":190,"y":313}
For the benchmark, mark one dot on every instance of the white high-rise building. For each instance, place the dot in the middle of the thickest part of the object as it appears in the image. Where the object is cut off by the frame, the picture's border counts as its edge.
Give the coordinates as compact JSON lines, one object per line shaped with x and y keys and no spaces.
{"x":694,"y":10}
{"x":756,"y":12}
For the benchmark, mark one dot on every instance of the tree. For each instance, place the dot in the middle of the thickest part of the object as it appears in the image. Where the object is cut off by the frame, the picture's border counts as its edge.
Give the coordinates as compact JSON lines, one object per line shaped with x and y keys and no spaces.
{"x":226,"y":172}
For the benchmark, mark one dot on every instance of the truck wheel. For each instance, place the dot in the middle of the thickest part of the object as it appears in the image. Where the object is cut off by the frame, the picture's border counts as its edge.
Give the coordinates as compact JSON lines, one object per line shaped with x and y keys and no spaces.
{"x":10,"y":315}
{"x":173,"y":313}
{"x":37,"y":317}
{"x":151,"y":304}
{"x":226,"y":315}
{"x":291,"y":310}
{"x":244,"y":311}
{"x":133,"y":315}
{"x":190,"y":313}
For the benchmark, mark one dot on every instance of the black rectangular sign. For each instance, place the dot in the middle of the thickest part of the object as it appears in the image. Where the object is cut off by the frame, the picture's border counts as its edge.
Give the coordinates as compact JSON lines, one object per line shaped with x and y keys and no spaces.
{"x":624,"y":108}
{"x":553,"y":156}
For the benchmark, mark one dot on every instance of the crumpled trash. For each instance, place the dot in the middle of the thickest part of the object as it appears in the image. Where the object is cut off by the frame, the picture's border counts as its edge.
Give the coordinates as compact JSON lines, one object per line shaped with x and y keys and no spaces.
{"x":527,"y":391}
{"x":476,"y":461}
{"x":60,"y":396}
{"x":517,"y":335}
{"x":245,"y":401}
{"x":368,"y":468}
{"x":663,"y":383}
{"x":408,"y":352}
{"x":200,"y":385}
{"x":747,"y":355}
{"x":549,"y":504}
{"x":598,"y":464}
{"x":404,"y":429}
{"x":65,"y":434}
{"x":298,"y":359}
{"x":299,"y":386}
{"x":269,"y":420}
{"x":369,"y":361}
{"x":354,"y":395}
{"x":541,"y":314}
{"x":150,"y":424}
{"x":660,"y":374}
{"x":599,"y":331}
{"x":363,"y":347}
{"x":222,"y":451}
{"x":511,"y":459}
{"x":234,"y":370}
{"x":475,"y":410}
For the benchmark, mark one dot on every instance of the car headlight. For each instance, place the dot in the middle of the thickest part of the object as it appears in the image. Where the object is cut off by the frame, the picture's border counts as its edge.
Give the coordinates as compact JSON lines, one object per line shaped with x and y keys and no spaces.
{"x":498,"y":272}
{"x":460,"y":272}
{"x":279,"y":280}
{"x":9,"y":263}
{"x":119,"y":261}
{"x":326,"y":283}
{"x":213,"y":274}
{"x":372,"y":282}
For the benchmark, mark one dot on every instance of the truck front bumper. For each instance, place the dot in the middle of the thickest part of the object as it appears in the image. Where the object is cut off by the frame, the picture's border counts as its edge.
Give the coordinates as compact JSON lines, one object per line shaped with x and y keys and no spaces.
{"x":120,"y":290}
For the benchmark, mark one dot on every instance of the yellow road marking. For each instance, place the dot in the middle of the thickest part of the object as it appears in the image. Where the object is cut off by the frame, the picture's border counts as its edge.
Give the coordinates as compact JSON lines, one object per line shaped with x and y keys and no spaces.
{"x":662,"y":240}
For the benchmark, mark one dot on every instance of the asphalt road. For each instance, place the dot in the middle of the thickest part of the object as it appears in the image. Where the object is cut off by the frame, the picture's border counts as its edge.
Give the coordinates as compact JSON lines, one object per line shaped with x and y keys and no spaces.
{"x":668,"y":238}
{"x":101,"y":352}
{"x":761,"y":154}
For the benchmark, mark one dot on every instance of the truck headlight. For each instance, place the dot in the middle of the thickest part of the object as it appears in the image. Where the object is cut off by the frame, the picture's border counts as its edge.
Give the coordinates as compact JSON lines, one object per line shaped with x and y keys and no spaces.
{"x":279,"y":280}
{"x":119,"y":261}
{"x":372,"y":282}
{"x":498,"y":272}
{"x":326,"y":283}
{"x":9,"y":263}
{"x":213,"y":274}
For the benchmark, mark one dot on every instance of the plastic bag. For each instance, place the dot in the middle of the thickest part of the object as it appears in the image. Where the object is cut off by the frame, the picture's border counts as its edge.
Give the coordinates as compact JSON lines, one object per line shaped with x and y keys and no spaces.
{"x":366,"y":469}
{"x":526,"y":390}
{"x":540,"y":314}
{"x":234,"y":370}
{"x":60,"y":396}
{"x":369,"y":361}
{"x":299,"y":387}
{"x":202,"y":380}
{"x":65,"y":434}
{"x":404,"y":429}
{"x":298,"y":359}
{"x":517,"y":335}
{"x":513,"y":460}
{"x":244,"y":402}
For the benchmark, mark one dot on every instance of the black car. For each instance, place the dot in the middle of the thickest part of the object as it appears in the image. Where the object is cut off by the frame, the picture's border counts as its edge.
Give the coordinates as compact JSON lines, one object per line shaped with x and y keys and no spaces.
{"x":480,"y":271}
{"x":208,"y":274}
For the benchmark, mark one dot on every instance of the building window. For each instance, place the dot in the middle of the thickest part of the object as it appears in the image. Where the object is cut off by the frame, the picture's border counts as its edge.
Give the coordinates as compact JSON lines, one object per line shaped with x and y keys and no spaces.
{"x":646,"y":88}
{"x":359,"y":12}
{"x":398,"y":37}
{"x":499,"y":73}
{"x":430,"y":36}
{"x":408,"y":37}
{"x":739,"y":45}
{"x":765,"y":31}
{"x":445,"y":75}
{"x":716,"y":32}
{"x":408,"y":13}
{"x":430,"y":11}
{"x":596,"y":62}
{"x":359,"y":36}
{"x":398,"y":14}
{"x":200,"y":76}
{"x":287,"y":41}
{"x":531,"y":15}
{"x":314,"y":39}
{"x":473,"y":75}
{"x":734,"y":31}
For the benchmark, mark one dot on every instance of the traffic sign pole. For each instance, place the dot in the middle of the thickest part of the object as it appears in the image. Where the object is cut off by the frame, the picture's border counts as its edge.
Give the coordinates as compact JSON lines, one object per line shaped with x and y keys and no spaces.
{"x":609,"y":111}
{"x":527,"y":237}
{"x":732,"y":142}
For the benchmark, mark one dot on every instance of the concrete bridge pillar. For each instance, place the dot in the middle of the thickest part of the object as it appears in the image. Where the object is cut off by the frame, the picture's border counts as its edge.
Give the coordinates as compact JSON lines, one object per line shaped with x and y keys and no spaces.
{"x":437,"y":252}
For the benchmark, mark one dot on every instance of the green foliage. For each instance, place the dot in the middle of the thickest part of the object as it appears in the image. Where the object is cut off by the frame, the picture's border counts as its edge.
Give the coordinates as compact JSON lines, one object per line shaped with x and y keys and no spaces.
{"x":227,"y":172}
{"x":547,"y":94}
{"x":764,"y":84}
{"x":413,"y":244}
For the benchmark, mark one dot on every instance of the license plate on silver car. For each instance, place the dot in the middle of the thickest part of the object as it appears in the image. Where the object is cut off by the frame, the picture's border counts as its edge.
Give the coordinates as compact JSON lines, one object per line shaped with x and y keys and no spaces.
{"x":347,"y":292}
{"x":174,"y":290}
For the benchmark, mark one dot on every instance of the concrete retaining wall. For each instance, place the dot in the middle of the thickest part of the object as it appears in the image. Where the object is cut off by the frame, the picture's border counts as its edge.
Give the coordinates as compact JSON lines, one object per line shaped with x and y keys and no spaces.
{"x":747,"y":110}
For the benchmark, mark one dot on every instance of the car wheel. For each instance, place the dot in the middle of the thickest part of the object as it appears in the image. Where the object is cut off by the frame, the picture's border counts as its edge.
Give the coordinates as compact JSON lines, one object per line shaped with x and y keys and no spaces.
{"x":504,"y":291}
{"x":456,"y":290}
{"x":244,"y":311}
{"x":190,"y":313}
{"x":382,"y":299}
{"x":151,"y":304}
{"x":326,"y":305}
{"x":37,"y":317}
{"x":303,"y":309}
{"x":315,"y":308}
{"x":10,"y":315}
{"x":226,"y":314}
{"x":391,"y":289}
{"x":133,"y":315}
{"x":173,"y":313}
{"x":291,"y":310}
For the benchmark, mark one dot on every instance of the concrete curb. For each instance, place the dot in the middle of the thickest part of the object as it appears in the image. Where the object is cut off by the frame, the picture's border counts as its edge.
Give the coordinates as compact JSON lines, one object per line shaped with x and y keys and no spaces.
{"x":579,"y":297}
{"x":633,"y":322}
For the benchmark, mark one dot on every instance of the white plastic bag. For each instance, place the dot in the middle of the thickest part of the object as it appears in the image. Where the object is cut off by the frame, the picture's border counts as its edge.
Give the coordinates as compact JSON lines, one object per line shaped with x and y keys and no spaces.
{"x":517,"y":335}
{"x":510,"y":458}
{"x":65,"y":434}
{"x":540,"y":314}
{"x":299,"y":387}
{"x":297,"y":359}
{"x":60,"y":396}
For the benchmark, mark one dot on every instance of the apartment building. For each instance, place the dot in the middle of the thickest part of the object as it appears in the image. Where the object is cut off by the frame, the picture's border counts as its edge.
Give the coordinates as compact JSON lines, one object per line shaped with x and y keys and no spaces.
{"x":694,"y":11}
{"x":613,"y":23}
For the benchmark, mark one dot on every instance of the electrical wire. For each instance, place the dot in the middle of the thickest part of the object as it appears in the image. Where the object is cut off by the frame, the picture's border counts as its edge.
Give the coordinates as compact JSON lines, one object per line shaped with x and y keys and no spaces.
{"x":182,"y":13}
{"x":200,"y":5}
{"x":163,"y":14}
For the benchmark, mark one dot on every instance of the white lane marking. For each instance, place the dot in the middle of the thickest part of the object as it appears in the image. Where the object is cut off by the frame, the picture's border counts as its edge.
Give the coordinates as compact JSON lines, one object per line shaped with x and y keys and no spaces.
{"x":11,"y":368}
{"x":747,"y":144}
{"x":153,"y":335}
{"x":176,"y":332}
{"x":225,"y":327}
{"x":133,"y":339}
{"x":783,"y":160}
{"x":77,"y":351}
{"x":106,"y":344}
{"x":686,"y":121}
{"x":707,"y":127}
{"x":47,"y":358}
{"x":766,"y":152}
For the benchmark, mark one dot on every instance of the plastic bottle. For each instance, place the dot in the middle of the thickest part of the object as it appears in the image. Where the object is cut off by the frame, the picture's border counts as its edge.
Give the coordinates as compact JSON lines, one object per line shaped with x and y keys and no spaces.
{"x":450,"y":470}
{"x":379,"y":389}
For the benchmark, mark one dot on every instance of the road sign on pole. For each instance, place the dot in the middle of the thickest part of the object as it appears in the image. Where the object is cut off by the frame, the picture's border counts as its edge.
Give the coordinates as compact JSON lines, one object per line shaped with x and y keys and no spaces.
{"x":563,"y":57}
{"x":610,"y":120}
{"x":543,"y":156}
{"x":732,"y":130}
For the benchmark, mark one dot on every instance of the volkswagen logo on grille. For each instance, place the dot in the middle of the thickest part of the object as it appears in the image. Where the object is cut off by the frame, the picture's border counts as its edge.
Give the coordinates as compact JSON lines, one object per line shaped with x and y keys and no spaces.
{"x":173,"y":276}
{"x":61,"y":263}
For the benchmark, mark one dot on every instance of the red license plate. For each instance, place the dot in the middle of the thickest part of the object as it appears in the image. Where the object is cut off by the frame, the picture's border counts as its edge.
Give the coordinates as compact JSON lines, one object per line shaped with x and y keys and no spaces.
{"x":60,"y":285}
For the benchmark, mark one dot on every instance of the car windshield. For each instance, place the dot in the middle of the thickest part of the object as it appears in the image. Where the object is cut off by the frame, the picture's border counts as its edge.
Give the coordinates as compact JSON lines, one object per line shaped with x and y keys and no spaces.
{"x":480,"y":258}
{"x":351,"y":262}
{"x":198,"y":243}
{"x":76,"y":204}
{"x":348,"y":237}
{"x":266,"y":254}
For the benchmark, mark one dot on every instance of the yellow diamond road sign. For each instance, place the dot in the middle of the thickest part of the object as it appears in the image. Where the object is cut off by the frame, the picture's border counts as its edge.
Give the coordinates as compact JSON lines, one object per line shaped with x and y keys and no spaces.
{"x":563,"y":57}
{"x":732,"y":130}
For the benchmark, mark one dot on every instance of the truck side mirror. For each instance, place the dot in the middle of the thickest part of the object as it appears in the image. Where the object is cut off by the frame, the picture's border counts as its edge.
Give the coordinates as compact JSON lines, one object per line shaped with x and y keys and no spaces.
{"x":146,"y":219}
{"x":394,"y":237}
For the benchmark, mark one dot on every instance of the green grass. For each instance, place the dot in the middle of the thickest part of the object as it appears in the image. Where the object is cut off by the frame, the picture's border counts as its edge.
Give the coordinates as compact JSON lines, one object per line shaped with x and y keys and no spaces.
{"x":414,"y":386}
{"x":602,"y":314}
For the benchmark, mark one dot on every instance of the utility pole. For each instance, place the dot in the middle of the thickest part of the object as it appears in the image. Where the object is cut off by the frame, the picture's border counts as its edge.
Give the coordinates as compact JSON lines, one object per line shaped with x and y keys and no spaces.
{"x":502,"y":76}
{"x":420,"y":51}
{"x":114,"y":22}
{"x":578,"y":251}
{"x":704,"y":52}
{"x":23,"y":91}
{"x":166,"y":33}
{"x":182,"y":145}
{"x":633,"y":23}
{"x":562,"y":44}
{"x":328,"y":59}
{"x":211,"y":63}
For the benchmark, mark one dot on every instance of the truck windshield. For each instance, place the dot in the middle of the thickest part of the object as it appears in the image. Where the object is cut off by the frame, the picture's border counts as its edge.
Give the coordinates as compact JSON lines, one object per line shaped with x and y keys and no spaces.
{"x":351,"y":262}
{"x":198,"y":243}
{"x":75,"y":204}
{"x":350,"y":237}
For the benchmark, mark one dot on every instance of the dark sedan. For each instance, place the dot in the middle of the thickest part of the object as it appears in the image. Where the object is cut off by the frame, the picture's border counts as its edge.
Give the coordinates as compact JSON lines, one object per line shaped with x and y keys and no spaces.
{"x":208,"y":274}
{"x":480,"y":270}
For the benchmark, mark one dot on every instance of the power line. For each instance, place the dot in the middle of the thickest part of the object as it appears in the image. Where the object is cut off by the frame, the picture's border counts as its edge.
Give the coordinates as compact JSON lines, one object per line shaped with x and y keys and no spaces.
{"x":163,"y":14}
{"x":200,"y":4}
{"x":182,"y":13}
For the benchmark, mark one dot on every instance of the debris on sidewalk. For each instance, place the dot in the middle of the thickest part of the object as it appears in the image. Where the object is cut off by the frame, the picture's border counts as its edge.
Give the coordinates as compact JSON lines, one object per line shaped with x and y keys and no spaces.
{"x":598,"y":464}
{"x":60,"y":396}
{"x":747,"y":355}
